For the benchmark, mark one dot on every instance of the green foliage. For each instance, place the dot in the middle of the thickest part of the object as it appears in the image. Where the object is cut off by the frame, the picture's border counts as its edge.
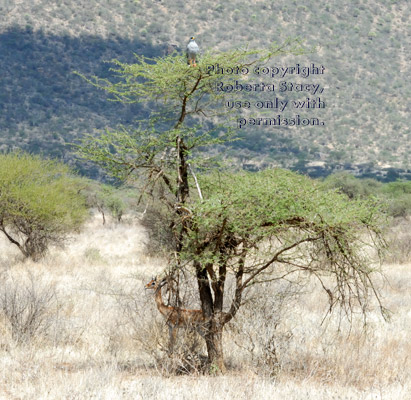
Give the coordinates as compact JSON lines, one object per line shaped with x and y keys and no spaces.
{"x":350,"y":185}
{"x":107,"y":198}
{"x":39,"y":202}
{"x":274,"y":196}
{"x":397,"y":189}
{"x":399,"y":206}
{"x":255,"y":207}
{"x":396,"y":196}
{"x":168,"y":79}
{"x":247,"y":226}
{"x":116,"y":207}
{"x":183,"y":99}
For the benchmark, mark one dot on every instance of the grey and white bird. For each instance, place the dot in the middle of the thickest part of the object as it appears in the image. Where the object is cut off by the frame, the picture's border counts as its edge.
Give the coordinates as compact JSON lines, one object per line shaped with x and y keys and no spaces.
{"x":192,"y":52}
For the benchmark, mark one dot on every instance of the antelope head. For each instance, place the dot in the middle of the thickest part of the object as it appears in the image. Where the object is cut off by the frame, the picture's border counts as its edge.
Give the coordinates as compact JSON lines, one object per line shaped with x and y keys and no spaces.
{"x":154,"y":284}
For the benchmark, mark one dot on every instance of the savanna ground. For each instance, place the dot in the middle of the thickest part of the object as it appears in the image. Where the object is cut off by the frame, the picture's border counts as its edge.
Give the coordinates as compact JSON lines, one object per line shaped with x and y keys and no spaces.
{"x":100,"y":336}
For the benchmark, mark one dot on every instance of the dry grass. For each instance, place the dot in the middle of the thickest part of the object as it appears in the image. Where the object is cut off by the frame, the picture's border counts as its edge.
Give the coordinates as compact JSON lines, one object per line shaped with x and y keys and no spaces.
{"x":103,"y":334}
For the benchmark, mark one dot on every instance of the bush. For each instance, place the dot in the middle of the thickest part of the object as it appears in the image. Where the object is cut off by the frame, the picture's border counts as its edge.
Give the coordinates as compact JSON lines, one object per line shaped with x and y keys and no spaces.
{"x":26,"y":306}
{"x":39,"y":203}
{"x":258,"y":330}
{"x":159,"y":227}
{"x":400,"y":206}
{"x":106,"y":198}
{"x":395,"y":196}
{"x":399,"y":241}
{"x":152,"y":336}
{"x":350,"y":185}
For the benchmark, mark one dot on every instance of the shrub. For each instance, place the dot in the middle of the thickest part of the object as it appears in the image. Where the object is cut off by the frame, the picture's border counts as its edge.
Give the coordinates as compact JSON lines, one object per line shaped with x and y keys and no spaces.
{"x":106,"y":198}
{"x":159,"y":227}
{"x":151,"y":334}
{"x":258,"y":329}
{"x":346,"y":184}
{"x":26,"y":306}
{"x":400,"y":206}
{"x":39,"y":203}
{"x":399,"y":241}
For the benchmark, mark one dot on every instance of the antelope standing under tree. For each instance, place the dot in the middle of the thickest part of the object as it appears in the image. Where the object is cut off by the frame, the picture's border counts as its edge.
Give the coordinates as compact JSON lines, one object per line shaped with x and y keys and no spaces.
{"x":176,"y":317}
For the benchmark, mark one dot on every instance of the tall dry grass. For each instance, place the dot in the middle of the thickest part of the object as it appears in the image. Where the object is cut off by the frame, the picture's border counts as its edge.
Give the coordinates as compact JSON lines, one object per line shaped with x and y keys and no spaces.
{"x":104,"y":338}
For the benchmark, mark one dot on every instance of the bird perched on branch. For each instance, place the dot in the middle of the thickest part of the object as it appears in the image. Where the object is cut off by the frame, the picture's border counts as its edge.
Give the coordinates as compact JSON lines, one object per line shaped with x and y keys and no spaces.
{"x":192,"y":51}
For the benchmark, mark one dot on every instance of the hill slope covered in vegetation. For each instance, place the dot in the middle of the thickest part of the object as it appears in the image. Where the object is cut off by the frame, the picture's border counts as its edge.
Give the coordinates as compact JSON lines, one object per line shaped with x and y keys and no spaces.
{"x":363,"y":46}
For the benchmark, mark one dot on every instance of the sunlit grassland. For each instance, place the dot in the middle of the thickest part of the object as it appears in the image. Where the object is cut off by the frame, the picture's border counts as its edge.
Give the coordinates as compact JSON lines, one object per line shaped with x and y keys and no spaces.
{"x":89,"y":347}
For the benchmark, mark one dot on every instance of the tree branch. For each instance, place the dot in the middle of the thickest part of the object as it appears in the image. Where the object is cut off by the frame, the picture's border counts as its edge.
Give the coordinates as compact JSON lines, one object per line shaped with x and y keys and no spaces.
{"x":275,"y":257}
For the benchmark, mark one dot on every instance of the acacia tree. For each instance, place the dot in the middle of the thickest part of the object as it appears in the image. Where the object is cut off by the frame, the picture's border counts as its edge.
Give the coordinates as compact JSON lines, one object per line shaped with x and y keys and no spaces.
{"x":40,"y":203}
{"x":246,"y":227}
{"x":104,"y":198}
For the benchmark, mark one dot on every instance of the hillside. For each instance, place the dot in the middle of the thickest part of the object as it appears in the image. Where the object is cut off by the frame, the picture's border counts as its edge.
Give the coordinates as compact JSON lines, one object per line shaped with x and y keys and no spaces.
{"x":363,"y":45}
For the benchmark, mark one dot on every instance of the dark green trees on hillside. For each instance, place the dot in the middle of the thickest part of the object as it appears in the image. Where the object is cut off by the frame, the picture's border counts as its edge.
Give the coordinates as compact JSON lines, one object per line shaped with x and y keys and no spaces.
{"x":39,"y":203}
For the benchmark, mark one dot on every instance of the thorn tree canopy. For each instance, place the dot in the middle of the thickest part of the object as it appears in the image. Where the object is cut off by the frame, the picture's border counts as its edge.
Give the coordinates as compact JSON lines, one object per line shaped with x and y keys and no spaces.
{"x":40,"y":202}
{"x":247,"y":228}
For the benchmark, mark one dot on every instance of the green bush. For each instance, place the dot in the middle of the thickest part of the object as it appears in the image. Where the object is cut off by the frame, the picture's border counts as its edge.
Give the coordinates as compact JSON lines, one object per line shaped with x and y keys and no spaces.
{"x":400,"y":206}
{"x":106,"y":198}
{"x":396,"y":196}
{"x":39,"y":202}
{"x":347,"y":184}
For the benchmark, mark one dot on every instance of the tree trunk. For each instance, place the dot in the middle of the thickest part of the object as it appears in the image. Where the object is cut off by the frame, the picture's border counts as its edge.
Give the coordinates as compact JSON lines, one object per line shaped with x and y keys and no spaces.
{"x":214,"y":342}
{"x":12,"y":240}
{"x":102,"y":213}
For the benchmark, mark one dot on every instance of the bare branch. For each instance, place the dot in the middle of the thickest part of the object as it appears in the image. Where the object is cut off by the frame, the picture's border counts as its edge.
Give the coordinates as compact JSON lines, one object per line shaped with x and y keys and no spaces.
{"x":275,"y":258}
{"x":196,"y":182}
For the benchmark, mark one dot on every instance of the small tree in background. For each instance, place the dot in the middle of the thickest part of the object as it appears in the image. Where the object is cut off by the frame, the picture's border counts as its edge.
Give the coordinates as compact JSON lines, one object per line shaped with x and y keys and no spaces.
{"x":40,"y":203}
{"x":396,"y":196}
{"x":247,"y":228}
{"x":105,"y":198}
